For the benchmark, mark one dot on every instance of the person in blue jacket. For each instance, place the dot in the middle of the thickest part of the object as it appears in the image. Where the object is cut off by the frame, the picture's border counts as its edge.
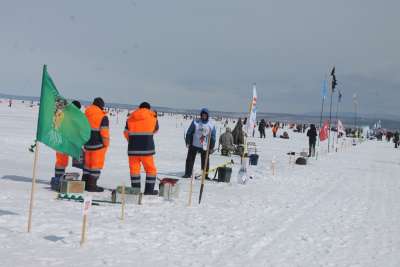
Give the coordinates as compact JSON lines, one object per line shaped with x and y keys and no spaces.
{"x":197,"y":141}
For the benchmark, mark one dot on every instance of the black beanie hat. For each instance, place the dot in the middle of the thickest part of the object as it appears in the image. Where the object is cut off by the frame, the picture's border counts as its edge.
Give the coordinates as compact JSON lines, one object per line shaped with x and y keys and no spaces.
{"x":77,"y":104}
{"x":145,"y":105}
{"x":98,"y":101}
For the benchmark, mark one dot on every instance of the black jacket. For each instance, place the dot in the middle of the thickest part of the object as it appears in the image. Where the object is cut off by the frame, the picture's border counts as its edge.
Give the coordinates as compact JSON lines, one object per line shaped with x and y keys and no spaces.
{"x":312,"y":134}
{"x":262,"y":125}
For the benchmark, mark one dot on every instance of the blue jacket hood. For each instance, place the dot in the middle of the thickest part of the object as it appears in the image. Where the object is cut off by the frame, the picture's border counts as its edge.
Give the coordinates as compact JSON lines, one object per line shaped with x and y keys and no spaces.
{"x":205,"y":110}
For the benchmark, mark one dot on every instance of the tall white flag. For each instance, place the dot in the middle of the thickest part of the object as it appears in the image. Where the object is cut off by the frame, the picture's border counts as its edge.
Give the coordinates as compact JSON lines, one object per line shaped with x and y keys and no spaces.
{"x":253,"y":111}
{"x":340,"y":128}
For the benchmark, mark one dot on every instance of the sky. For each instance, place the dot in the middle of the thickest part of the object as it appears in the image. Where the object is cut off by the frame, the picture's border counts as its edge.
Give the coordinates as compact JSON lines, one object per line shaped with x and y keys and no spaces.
{"x":193,"y":54}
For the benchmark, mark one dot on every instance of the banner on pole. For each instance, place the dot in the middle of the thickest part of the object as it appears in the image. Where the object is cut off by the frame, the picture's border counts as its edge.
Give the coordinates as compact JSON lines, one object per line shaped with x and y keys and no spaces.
{"x":61,"y":125}
{"x":253,"y":110}
{"x":324,"y":131}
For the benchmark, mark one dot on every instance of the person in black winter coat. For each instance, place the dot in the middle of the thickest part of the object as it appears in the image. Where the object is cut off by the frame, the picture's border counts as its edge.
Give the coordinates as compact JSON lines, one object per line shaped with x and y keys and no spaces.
{"x":238,"y":133}
{"x":261,"y":128}
{"x":312,"y":139}
{"x":396,"y":139}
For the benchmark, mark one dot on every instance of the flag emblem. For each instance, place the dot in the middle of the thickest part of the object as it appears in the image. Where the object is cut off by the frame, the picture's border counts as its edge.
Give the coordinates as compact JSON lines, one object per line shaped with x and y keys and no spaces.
{"x":61,"y":125}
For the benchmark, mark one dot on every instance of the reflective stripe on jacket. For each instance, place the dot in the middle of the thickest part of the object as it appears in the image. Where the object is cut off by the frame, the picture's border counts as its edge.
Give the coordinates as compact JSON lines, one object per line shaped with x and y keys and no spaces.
{"x":98,"y":120}
{"x":139,"y":130}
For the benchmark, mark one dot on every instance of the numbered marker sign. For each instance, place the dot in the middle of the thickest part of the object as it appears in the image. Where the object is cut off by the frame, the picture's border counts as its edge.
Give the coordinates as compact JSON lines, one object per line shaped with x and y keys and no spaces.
{"x":87,"y":203}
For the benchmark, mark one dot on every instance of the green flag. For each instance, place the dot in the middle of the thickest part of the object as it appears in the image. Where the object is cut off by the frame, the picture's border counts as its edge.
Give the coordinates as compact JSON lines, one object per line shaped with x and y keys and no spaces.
{"x":61,"y":125}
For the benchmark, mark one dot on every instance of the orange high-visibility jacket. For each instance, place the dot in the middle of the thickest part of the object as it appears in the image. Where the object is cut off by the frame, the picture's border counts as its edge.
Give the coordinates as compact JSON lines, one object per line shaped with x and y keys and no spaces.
{"x":139,"y":130}
{"x":100,"y":135}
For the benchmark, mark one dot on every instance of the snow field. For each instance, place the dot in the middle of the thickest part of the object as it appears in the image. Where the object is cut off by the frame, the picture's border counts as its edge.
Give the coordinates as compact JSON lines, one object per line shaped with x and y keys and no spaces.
{"x":340,"y":210}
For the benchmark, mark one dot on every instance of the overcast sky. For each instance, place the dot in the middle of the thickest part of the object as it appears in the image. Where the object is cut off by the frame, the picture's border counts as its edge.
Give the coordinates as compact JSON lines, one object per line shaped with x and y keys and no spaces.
{"x":190,"y":54}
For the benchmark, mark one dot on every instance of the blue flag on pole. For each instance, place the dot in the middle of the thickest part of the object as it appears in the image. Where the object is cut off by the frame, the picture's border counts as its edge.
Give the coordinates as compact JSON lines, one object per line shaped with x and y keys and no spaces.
{"x":324,"y":89}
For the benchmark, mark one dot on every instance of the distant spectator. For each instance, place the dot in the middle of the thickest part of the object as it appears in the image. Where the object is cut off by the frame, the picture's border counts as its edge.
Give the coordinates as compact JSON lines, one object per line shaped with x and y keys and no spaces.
{"x":238,"y":133}
{"x":226,"y":142}
{"x":238,"y":137}
{"x":312,"y":139}
{"x":275,"y":129}
{"x":261,"y":128}
{"x":396,"y":139}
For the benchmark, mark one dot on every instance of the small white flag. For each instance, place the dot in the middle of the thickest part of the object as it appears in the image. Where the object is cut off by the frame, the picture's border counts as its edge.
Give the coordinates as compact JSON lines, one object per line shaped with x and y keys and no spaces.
{"x":87,"y":204}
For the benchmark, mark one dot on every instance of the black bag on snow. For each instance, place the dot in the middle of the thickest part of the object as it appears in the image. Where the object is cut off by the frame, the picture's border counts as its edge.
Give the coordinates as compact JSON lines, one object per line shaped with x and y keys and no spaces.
{"x":301,"y":161}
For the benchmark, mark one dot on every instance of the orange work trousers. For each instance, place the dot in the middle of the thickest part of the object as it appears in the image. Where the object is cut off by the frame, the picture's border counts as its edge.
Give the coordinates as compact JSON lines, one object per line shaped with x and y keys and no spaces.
{"x":61,"y":164}
{"x":94,"y":163}
{"x":94,"y":159}
{"x":61,"y":160}
{"x":149,"y":167}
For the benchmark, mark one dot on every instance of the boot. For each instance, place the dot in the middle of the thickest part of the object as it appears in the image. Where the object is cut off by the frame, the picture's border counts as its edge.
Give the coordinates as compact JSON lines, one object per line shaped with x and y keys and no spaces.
{"x":55,"y":183}
{"x":149,"y":190}
{"x":99,"y":188}
{"x":135,"y":185}
{"x":92,"y":185}
{"x":151,"y":193}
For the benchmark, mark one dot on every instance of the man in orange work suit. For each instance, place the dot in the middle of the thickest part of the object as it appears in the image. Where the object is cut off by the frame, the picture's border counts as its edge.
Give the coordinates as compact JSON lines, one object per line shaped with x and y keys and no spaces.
{"x":61,"y":158}
{"x":96,"y":147}
{"x":139,"y":130}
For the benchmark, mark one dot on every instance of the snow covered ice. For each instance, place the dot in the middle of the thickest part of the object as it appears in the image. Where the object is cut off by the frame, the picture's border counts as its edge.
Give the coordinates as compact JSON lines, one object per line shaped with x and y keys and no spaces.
{"x":340,"y":210}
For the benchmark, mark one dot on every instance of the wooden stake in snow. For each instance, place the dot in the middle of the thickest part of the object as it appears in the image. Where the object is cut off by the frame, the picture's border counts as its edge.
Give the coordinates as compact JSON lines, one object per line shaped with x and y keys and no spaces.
{"x":273,"y":161}
{"x":33,"y":187}
{"x":140,"y":198}
{"x":190,"y":190}
{"x":203,"y":177}
{"x":87,"y":203}
{"x":123,"y":202}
